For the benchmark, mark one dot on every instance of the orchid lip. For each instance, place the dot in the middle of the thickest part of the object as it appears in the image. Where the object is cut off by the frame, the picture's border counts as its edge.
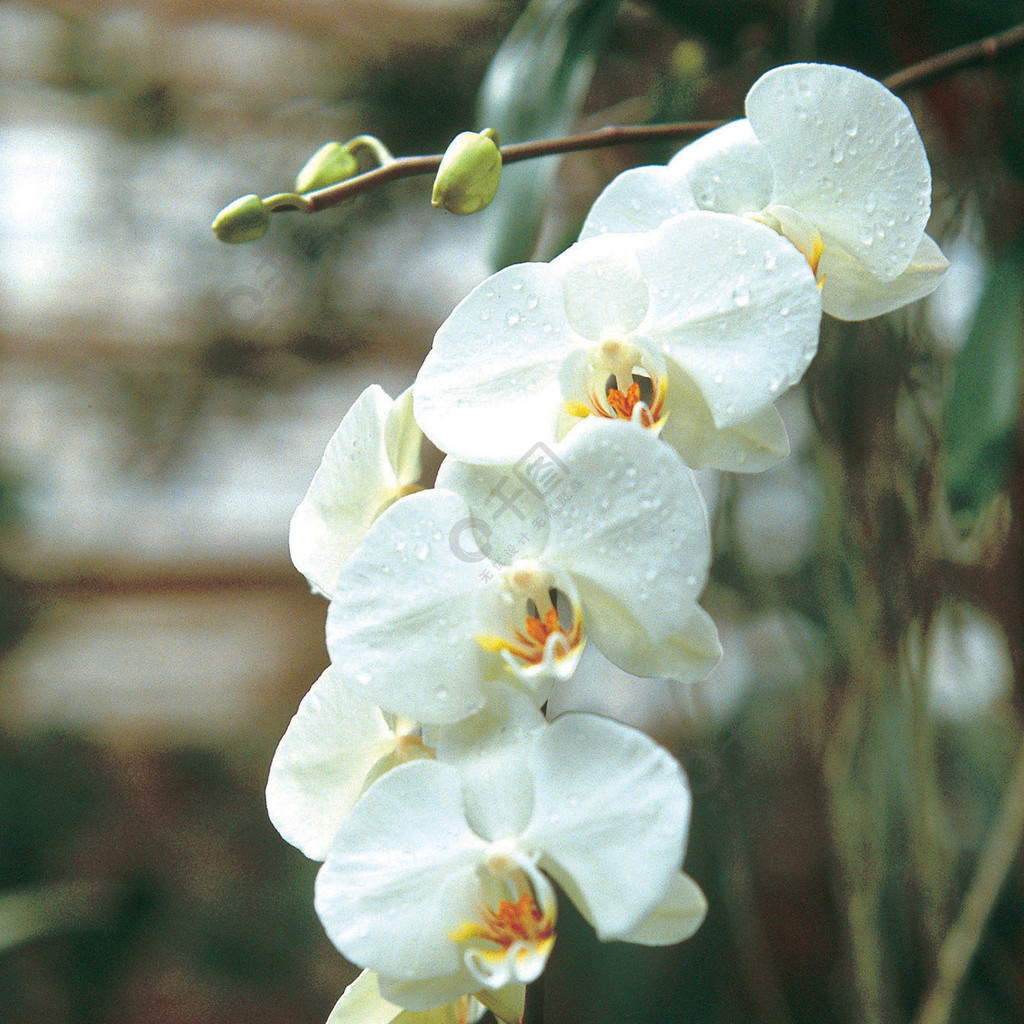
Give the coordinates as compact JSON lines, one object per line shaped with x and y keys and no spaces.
{"x":543,"y":630}
{"x":510,"y":940}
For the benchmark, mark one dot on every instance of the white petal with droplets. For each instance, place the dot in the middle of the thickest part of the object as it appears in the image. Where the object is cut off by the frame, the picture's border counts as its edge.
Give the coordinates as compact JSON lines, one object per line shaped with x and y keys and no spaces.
{"x":618,"y":842}
{"x":726,"y":170}
{"x":732,"y":304}
{"x":846,"y":153}
{"x":851,"y":292}
{"x":638,"y":199}
{"x":400,"y":625}
{"x":401,"y":874}
{"x":630,"y":521}
{"x":488,"y":388}
{"x":322,"y":763}
{"x":354,"y":482}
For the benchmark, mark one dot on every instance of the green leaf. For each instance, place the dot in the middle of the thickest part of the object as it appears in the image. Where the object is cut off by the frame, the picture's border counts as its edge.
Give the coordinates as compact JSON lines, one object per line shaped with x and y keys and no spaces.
{"x":984,"y":402}
{"x":533,"y":89}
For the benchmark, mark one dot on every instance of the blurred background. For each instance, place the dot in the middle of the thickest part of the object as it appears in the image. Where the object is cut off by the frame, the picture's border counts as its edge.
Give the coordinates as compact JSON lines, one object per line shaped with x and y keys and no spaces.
{"x":165,"y":399}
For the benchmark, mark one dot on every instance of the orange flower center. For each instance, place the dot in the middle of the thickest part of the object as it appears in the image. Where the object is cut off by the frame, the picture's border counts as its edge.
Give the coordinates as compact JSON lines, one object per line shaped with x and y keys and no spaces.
{"x":618,"y":404}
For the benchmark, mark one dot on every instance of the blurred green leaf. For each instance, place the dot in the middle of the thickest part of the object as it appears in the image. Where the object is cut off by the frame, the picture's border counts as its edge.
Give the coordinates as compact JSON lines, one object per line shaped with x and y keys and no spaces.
{"x":984,"y":402}
{"x":533,"y":89}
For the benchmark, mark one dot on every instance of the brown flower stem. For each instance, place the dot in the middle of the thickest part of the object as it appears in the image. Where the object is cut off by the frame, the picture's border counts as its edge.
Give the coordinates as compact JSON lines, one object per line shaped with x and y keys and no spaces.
{"x":978,"y":52}
{"x":617,"y":135}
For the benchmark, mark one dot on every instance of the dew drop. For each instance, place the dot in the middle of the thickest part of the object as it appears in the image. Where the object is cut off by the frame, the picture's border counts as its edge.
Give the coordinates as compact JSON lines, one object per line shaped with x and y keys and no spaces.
{"x":423,"y":552}
{"x":741,"y":295}
{"x":517,"y":286}
{"x":532,"y":302}
{"x":513,"y":318}
{"x":851,"y":129}
{"x":866,"y":236}
{"x":691,"y":580}
{"x":871,"y":203}
{"x":719,"y":378}
{"x":773,"y":385}
{"x":635,"y":203}
{"x":485,"y":316}
{"x":784,"y":311}
{"x":364,"y":678}
{"x":770,"y":259}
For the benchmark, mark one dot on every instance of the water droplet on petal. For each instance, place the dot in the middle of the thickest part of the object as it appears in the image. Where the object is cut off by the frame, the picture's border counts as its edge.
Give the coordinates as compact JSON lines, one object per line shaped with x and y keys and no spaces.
{"x":423,"y":552}
{"x":741,"y":295}
{"x":770,"y":259}
{"x":513,"y":318}
{"x":719,"y":378}
{"x":532,"y":302}
{"x":517,"y":286}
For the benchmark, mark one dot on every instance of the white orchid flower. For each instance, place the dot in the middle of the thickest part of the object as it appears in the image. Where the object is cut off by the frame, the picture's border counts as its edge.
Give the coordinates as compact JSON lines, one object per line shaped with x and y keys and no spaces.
{"x":336,"y":744}
{"x":362,"y":1003}
{"x":691,"y":330}
{"x":826,"y":156}
{"x":421,"y":619}
{"x":438,"y":878}
{"x":372,"y":459}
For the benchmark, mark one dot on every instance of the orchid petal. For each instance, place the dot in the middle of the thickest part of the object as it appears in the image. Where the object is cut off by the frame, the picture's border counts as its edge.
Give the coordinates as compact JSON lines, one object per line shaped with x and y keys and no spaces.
{"x":631,"y":524}
{"x":354,"y":483}
{"x":734,"y":305}
{"x":434,"y":1000}
{"x":852,"y":292}
{"x":687,"y":655}
{"x":618,"y":841}
{"x":678,"y":915}
{"x":488,"y":388}
{"x":508,"y":516}
{"x":362,"y":1003}
{"x":603,"y":288}
{"x":323,"y":762}
{"x":507,"y":1003}
{"x":400,"y":624}
{"x":726,"y":170}
{"x":403,"y":440}
{"x":487,"y":750}
{"x":401,"y":875}
{"x":636,"y":200}
{"x":750,"y":446}
{"x":846,"y":153}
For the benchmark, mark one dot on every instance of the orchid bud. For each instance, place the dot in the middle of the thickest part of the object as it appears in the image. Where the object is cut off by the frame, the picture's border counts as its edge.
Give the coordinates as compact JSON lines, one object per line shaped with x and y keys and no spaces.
{"x":244,"y":220}
{"x":468,"y":177}
{"x":331,"y":163}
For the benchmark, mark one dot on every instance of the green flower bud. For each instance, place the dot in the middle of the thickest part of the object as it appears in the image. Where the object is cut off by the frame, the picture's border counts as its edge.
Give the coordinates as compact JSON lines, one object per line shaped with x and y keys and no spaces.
{"x":244,"y":220}
{"x":331,"y":163}
{"x":469,"y":173}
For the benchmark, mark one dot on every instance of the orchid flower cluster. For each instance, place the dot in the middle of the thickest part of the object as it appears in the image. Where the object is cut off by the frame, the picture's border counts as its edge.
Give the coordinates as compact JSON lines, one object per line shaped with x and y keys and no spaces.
{"x":574,"y":400}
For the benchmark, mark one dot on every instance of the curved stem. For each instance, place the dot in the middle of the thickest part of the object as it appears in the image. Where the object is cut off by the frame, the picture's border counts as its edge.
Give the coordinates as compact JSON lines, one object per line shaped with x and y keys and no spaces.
{"x":617,"y":135}
{"x":960,"y":944}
